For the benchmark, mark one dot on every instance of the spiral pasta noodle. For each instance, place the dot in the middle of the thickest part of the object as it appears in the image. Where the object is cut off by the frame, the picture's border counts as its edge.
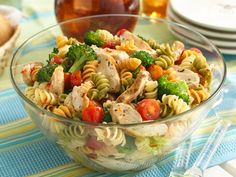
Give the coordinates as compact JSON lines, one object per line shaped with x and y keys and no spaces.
{"x":164,"y":61}
{"x":166,"y":49}
{"x":89,"y":69}
{"x":127,"y":46}
{"x":111,"y":136}
{"x":130,"y":64}
{"x":153,"y":44}
{"x":29,"y":93}
{"x":150,"y":89}
{"x":202,"y":67}
{"x":187,"y":62}
{"x":44,"y":98}
{"x":93,"y":93}
{"x":198,"y":95}
{"x":62,"y":110}
{"x":188,"y":53}
{"x":175,"y":104}
{"x":35,"y":71}
{"x":61,"y":41}
{"x":101,"y":84}
{"x":126,"y":78}
{"x":74,"y":131}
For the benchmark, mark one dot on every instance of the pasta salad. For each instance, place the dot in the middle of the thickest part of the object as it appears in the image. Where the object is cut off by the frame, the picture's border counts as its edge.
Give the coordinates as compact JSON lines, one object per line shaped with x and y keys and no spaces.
{"x":117,"y":79}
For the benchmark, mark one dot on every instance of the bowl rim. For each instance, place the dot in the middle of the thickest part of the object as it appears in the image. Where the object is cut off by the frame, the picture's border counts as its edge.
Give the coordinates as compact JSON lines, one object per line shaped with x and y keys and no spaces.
{"x":78,"y":121}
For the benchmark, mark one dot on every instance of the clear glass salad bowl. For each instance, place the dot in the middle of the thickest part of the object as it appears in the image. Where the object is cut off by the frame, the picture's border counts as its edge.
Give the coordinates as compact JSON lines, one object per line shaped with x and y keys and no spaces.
{"x":79,"y":139}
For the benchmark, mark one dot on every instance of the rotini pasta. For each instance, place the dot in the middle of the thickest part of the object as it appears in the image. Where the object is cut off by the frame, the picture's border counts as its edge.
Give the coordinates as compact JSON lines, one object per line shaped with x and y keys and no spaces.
{"x":74,"y":131}
{"x":129,"y":63}
{"x":188,"y":53}
{"x":165,"y":61}
{"x":126,"y":78}
{"x":202,"y":67}
{"x":166,"y":49}
{"x":187,"y":62}
{"x":150,"y":89}
{"x":30,"y":93}
{"x":127,"y":46}
{"x":44,"y":98}
{"x":89,"y":69}
{"x":61,"y":41}
{"x":175,"y":104}
{"x":63,"y":110}
{"x":111,"y":136}
{"x":153,"y":44}
{"x":102,"y":84}
{"x":198,"y":95}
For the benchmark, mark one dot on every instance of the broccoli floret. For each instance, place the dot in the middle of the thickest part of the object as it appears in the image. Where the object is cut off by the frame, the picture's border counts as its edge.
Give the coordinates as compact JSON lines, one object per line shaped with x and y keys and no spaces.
{"x":145,"y":57}
{"x":179,"y":88}
{"x":45,"y":73}
{"x":67,"y":63}
{"x":53,"y":54}
{"x":93,"y":38}
{"x":135,"y":72}
{"x":80,"y":54}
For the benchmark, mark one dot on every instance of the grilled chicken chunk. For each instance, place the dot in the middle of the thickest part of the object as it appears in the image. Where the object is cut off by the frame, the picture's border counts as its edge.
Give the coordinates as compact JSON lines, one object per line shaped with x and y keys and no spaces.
{"x":124,"y":114}
{"x":190,"y":77}
{"x":79,"y":96}
{"x":138,"y":42}
{"x":27,"y":72}
{"x":57,"y":81}
{"x":116,"y":54}
{"x":107,"y":67}
{"x":135,"y":89}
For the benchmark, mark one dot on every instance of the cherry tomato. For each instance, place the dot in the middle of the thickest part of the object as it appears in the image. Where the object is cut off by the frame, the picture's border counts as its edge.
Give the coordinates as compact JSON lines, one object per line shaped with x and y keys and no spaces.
{"x":56,"y":59}
{"x":111,"y":45}
{"x":155,"y":71}
{"x":149,"y":109}
{"x":93,"y":113}
{"x":67,"y":80}
{"x":196,"y":50}
{"x":76,"y":78}
{"x":120,"y":32}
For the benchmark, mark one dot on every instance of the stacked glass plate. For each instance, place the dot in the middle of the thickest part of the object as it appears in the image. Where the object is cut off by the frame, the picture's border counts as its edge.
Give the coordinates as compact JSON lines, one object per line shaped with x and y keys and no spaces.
{"x":215,"y":19}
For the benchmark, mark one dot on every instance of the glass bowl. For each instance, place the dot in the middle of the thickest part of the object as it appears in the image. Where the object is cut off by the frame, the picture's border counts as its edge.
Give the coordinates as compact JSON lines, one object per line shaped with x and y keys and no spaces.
{"x":113,"y":147}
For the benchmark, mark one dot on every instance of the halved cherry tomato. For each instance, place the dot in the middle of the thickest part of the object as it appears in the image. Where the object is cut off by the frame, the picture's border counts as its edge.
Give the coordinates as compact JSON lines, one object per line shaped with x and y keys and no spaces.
{"x":56,"y":59}
{"x":111,"y":45}
{"x":196,"y":50}
{"x":76,"y":78}
{"x":149,"y":109}
{"x":93,"y":113}
{"x":120,"y":32}
{"x":156,"y":71}
{"x":67,"y":80}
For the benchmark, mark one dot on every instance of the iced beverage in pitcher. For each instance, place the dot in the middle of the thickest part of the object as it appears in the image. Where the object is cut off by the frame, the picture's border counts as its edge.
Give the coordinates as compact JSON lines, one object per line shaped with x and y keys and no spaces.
{"x":69,"y":9}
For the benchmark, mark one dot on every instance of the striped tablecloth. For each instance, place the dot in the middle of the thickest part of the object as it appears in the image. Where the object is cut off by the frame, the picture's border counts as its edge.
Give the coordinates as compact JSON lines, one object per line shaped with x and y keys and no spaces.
{"x":24,"y":151}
